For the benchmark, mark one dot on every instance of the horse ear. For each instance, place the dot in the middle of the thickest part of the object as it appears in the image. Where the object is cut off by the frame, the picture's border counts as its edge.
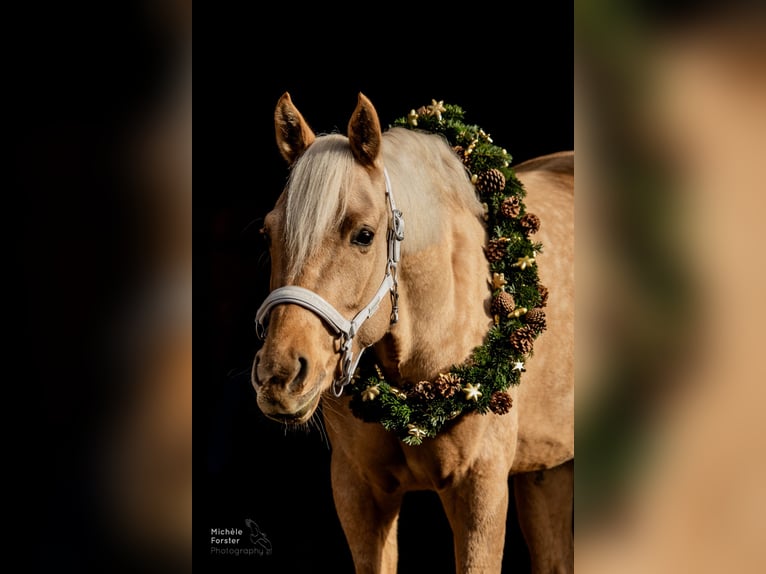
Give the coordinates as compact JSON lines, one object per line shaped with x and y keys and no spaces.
{"x":293,"y":133}
{"x":364,"y":133}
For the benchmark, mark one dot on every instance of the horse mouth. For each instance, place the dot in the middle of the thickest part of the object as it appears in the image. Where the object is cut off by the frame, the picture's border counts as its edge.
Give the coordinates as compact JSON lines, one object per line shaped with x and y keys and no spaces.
{"x":302,"y":414}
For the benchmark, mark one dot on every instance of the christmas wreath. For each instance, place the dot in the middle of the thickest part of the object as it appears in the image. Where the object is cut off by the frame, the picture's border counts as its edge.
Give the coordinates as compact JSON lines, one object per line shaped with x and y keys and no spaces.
{"x":417,"y":410}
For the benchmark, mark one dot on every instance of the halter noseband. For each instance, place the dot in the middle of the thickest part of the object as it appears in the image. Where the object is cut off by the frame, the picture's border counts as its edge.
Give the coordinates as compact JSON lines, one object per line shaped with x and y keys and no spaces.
{"x":345,"y":329}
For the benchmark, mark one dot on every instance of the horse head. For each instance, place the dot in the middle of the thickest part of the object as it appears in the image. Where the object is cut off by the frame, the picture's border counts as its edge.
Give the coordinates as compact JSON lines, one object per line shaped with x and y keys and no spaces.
{"x":328,"y":236}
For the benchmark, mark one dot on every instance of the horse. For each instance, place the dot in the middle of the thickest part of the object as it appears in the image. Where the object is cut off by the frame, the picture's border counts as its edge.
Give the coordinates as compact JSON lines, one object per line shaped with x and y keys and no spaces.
{"x":330,"y":243}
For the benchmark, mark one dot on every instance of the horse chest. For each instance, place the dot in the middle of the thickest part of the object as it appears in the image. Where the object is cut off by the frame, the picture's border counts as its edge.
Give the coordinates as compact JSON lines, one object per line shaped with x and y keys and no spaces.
{"x":410,"y":477}
{"x":435,"y":468}
{"x":402,"y":468}
{"x":378,"y":458}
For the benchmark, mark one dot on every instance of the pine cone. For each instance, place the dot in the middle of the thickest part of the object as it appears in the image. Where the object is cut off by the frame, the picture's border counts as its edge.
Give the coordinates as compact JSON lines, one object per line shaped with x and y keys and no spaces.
{"x":495,"y":250}
{"x":543,"y":294}
{"x":490,"y":181}
{"x":522,"y":339}
{"x":530,"y":223}
{"x":500,"y":403}
{"x":536,"y":319}
{"x":510,"y":207}
{"x":447,"y":385}
{"x":503,"y":304}
{"x":424,"y":390}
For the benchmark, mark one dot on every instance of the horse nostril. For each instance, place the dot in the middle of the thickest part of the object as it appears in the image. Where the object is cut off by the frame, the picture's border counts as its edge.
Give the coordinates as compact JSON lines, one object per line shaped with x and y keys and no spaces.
{"x":254,"y":372}
{"x":299,"y":379}
{"x":293,"y":382}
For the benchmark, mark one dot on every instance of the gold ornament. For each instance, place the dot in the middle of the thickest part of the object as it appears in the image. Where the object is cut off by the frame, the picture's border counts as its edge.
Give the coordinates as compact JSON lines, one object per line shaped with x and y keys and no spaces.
{"x":474,"y":179}
{"x":517,"y":312}
{"x":370,"y":393}
{"x":498,"y":281}
{"x":485,"y":215}
{"x":518,"y":366}
{"x":416,"y":431}
{"x":436,"y":109}
{"x":472,"y":393}
{"x":412,"y":118}
{"x":523,"y":262}
{"x":398,"y":394}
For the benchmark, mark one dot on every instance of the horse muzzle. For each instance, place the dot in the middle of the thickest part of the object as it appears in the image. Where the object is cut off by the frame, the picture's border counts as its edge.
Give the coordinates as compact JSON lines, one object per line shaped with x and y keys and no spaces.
{"x":283,"y":393}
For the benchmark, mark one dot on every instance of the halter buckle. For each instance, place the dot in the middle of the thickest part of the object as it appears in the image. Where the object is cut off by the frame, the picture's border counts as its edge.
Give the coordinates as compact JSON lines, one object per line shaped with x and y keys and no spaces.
{"x":398,"y":225}
{"x":346,"y":366}
{"x":394,"y":306}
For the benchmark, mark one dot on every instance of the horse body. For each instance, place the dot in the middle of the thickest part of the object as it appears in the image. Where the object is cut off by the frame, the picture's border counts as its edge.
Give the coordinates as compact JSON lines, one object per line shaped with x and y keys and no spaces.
{"x":444,"y":313}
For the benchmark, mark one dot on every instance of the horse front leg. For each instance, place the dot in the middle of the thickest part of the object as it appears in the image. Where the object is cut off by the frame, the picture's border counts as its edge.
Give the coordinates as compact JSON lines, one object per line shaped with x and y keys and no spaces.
{"x":476,"y":508}
{"x":369,"y":518}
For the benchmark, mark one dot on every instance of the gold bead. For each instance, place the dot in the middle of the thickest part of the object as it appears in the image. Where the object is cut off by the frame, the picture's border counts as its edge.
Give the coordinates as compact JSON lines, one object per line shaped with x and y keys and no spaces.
{"x":517,"y":312}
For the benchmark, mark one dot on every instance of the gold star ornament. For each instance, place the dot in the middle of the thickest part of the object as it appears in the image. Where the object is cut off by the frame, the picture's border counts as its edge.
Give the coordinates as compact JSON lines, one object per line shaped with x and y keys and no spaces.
{"x":472,"y":392}
{"x":412,"y":118}
{"x":498,"y":281}
{"x":523,"y":262}
{"x":416,"y":431}
{"x":370,"y":393}
{"x":436,"y":109}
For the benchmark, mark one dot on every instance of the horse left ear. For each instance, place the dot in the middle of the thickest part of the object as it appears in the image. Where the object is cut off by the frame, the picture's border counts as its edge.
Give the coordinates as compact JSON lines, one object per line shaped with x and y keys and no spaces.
{"x":294,"y":135}
{"x":364,"y":133}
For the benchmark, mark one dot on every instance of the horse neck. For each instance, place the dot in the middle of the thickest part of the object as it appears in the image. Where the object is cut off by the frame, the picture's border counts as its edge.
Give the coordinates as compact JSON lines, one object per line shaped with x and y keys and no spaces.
{"x":444,"y":299}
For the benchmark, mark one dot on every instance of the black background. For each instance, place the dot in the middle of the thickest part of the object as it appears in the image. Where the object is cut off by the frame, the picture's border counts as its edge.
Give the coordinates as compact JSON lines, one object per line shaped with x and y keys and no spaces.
{"x":511,"y":70}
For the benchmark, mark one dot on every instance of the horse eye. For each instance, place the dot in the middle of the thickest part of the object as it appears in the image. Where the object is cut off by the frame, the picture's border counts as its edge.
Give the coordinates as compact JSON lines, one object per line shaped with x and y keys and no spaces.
{"x":363,"y":238}
{"x":266,"y":237}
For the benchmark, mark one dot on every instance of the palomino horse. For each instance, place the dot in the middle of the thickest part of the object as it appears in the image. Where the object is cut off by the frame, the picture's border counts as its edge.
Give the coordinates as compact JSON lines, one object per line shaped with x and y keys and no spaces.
{"x":328,"y":242}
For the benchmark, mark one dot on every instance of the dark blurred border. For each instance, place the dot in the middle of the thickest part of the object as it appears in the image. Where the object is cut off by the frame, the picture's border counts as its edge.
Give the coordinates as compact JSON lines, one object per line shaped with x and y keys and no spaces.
{"x":670,"y":132}
{"x":89,"y":81}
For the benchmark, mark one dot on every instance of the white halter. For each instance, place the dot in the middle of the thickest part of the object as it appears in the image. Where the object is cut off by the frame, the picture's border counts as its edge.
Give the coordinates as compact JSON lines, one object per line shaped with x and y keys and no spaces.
{"x":345,"y":329}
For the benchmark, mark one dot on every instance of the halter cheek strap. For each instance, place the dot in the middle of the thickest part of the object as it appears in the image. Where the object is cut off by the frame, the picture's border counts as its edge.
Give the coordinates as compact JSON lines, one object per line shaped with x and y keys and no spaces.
{"x":344,"y":328}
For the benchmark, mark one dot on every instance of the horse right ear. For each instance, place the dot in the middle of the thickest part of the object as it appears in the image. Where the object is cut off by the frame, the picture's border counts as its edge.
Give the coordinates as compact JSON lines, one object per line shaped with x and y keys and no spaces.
{"x":293,"y":133}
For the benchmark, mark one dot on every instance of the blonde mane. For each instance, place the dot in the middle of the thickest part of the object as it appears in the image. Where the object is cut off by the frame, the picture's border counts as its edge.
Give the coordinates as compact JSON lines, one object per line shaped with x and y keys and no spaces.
{"x":427,"y":178}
